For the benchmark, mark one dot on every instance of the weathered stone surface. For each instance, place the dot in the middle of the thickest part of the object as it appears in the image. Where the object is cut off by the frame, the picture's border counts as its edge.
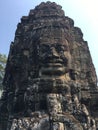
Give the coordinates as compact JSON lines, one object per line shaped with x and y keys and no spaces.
{"x":50,"y":81}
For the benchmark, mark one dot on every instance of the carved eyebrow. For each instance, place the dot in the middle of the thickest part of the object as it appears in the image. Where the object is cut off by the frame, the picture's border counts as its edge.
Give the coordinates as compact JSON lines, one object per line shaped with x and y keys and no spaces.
{"x":60,"y":45}
{"x":46,"y":45}
{"x":53,"y":45}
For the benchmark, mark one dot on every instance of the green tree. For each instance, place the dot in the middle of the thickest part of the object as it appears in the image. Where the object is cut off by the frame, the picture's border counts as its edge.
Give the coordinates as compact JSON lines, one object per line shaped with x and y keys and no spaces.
{"x":3,"y":60}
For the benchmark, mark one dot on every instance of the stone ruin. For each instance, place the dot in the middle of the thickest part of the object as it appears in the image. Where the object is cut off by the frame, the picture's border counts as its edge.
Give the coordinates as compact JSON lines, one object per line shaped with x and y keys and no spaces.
{"x":50,"y":81}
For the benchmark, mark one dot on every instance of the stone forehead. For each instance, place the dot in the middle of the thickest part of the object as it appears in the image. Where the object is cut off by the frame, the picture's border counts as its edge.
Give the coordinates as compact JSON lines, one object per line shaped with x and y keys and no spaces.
{"x":59,"y":42}
{"x":53,"y":38}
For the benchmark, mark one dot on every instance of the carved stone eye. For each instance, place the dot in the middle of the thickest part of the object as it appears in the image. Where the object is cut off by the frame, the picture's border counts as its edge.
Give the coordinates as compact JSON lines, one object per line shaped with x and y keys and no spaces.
{"x":43,"y":49}
{"x":64,"y":48}
{"x":61,"y":48}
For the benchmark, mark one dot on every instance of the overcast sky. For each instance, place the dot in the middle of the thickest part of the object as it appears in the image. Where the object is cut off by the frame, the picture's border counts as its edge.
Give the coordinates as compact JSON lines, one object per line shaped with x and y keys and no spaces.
{"x":83,"y":12}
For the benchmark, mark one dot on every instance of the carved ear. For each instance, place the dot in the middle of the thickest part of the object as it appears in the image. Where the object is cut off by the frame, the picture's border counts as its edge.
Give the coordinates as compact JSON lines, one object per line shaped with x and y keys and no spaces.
{"x":72,"y":74}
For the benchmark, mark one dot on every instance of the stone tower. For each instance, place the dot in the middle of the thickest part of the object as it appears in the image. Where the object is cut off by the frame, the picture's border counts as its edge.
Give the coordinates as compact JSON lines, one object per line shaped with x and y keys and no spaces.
{"x":50,"y":81}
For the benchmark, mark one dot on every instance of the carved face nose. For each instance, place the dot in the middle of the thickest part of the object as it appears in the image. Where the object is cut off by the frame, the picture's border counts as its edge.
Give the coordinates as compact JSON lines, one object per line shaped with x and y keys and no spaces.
{"x":53,"y":53}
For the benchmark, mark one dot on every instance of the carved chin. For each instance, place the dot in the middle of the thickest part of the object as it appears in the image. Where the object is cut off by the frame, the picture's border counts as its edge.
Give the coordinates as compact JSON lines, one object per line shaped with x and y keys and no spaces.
{"x":52,"y":71}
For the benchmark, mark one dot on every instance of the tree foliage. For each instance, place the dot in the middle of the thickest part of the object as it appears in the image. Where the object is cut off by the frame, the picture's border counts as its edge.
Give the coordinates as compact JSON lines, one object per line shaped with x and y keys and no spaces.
{"x":3,"y":60}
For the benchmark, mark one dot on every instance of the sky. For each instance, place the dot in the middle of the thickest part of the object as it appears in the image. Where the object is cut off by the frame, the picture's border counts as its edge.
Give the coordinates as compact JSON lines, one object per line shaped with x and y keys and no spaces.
{"x":83,"y":12}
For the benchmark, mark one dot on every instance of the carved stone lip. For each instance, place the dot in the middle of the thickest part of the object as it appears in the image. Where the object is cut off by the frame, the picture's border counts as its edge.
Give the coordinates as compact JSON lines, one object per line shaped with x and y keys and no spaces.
{"x":52,"y":70}
{"x":53,"y":63}
{"x":54,"y":60}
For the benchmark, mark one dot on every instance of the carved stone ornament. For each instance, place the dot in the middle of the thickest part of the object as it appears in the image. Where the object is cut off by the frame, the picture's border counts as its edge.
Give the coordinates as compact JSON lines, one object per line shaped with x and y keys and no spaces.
{"x":50,"y":81}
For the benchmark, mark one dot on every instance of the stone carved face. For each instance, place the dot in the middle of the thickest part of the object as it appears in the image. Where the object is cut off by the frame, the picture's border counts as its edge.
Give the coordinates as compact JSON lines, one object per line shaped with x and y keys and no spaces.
{"x":54,"y":58}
